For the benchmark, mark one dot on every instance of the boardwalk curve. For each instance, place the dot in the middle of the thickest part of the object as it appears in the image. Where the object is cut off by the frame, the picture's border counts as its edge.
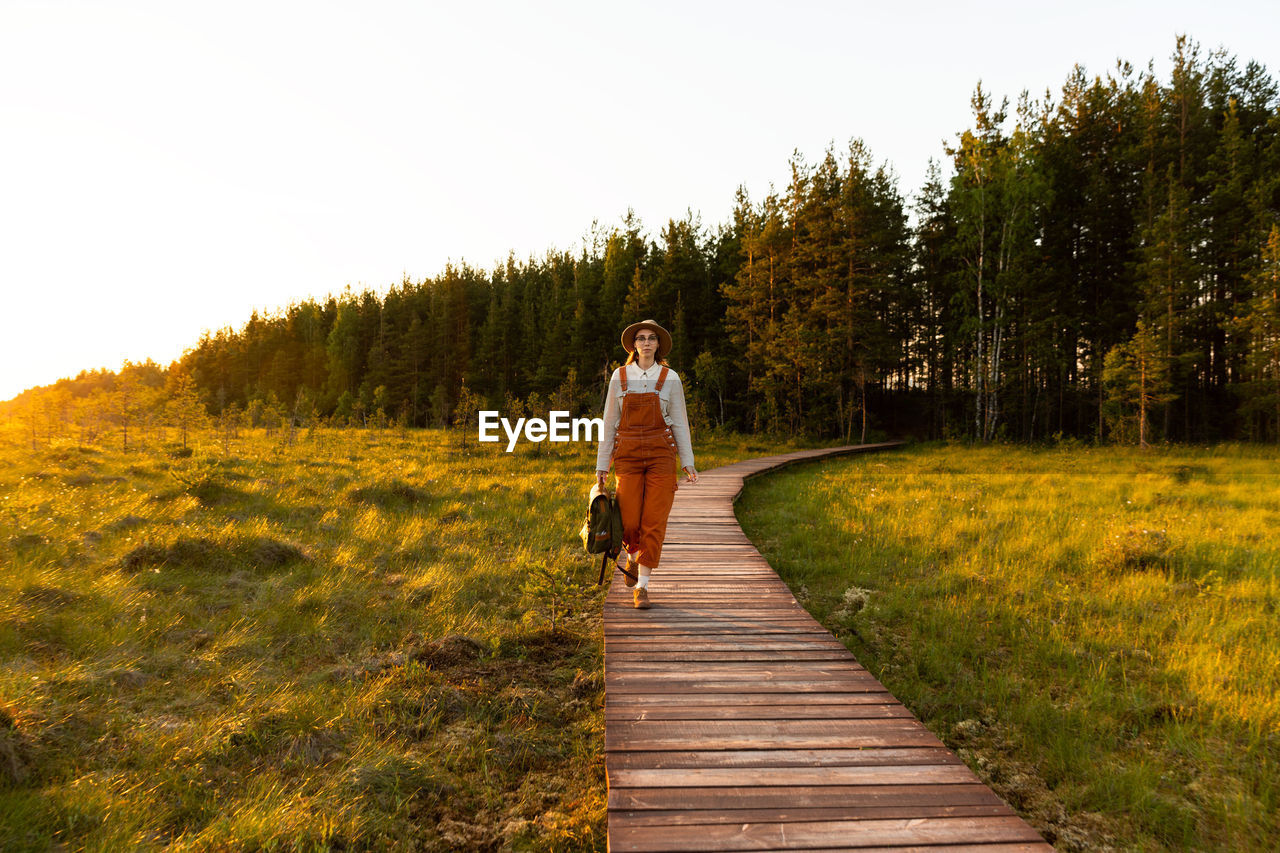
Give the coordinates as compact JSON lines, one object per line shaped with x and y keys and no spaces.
{"x":735,"y":721}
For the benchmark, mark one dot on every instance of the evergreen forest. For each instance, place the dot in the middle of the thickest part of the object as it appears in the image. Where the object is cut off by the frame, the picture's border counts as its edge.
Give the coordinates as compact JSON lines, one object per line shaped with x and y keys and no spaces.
{"x":1102,"y":262}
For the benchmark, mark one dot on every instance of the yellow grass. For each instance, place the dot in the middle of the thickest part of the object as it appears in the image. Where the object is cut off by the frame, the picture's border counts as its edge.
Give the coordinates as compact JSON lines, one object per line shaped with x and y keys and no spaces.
{"x":1094,"y":629}
{"x":336,"y":644}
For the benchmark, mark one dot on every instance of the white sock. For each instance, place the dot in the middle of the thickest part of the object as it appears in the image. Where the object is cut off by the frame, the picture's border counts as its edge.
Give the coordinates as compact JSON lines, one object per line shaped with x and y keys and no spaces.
{"x":643,"y":583}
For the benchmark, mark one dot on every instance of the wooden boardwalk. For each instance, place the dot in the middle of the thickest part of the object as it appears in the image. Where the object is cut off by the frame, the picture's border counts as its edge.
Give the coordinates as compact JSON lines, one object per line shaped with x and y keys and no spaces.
{"x":735,"y":721}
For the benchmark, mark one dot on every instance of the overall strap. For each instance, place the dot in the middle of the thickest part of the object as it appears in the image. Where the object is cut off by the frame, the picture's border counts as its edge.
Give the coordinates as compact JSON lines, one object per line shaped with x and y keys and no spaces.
{"x":622,"y":374}
{"x":662,"y":377}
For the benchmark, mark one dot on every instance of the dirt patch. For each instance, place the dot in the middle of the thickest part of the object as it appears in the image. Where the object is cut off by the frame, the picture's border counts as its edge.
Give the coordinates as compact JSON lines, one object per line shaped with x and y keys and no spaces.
{"x":451,"y":650}
{"x":194,"y":638}
{"x":321,"y":746}
{"x":212,"y":494}
{"x":541,"y":646}
{"x":991,"y":753}
{"x":205,"y":554}
{"x":48,"y":596}
{"x":390,"y":778}
{"x":587,"y":683}
{"x":129,"y":679}
{"x":82,"y":480}
{"x":387,"y":495}
{"x":15,"y":752}
{"x":127,"y":522}
{"x":1183,"y":474}
{"x":270,"y":554}
{"x":25,"y":541}
{"x":423,"y":553}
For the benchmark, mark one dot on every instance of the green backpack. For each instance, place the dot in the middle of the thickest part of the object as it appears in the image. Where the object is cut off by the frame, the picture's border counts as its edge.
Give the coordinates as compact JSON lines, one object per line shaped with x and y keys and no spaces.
{"x":602,"y":531}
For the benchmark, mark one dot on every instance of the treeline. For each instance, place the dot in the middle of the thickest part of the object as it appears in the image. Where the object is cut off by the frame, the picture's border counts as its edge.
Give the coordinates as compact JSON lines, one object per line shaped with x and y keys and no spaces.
{"x":1102,"y":264}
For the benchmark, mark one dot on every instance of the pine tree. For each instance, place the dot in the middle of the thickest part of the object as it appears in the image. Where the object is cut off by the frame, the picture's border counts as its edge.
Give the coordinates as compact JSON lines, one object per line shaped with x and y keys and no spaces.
{"x":1136,"y":374}
{"x":1260,"y":326}
{"x":994,"y":193}
{"x":184,"y":408}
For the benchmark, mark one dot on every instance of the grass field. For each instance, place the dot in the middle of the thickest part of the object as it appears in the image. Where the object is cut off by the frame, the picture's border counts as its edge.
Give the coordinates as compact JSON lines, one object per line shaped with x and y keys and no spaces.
{"x":366,"y":640}
{"x":1094,"y":630}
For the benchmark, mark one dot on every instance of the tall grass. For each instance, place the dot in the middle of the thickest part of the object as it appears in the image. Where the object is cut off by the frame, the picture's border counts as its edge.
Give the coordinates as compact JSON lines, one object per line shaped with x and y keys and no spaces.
{"x":1094,"y":630}
{"x":347,"y":643}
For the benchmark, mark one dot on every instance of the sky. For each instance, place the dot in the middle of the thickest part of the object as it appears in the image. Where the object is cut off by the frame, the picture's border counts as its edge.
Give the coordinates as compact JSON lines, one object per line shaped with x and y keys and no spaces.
{"x":167,"y":168}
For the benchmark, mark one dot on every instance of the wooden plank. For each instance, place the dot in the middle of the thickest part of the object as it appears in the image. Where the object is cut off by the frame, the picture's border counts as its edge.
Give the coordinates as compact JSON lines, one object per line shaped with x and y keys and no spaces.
{"x":641,"y":684}
{"x":736,"y":642}
{"x":783,"y":796}
{"x":694,"y":632}
{"x":641,"y":623}
{"x":1001,"y":847}
{"x":741,"y":777}
{"x":711,"y":759}
{"x":624,"y":621}
{"x":710,"y":628}
{"x":691,"y":601}
{"x":691,"y":632}
{"x":707,"y":606}
{"x":666,"y":608}
{"x":763,"y":712}
{"x":818,"y":672}
{"x":808,"y":834}
{"x":698,"y":817}
{"x":653,"y":701}
{"x":738,"y":583}
{"x":711,"y":657}
{"x":758,"y":656}
{"x":676,"y":639}
{"x":747,"y":697}
{"x":709,"y":686}
{"x":622,"y":614}
{"x":623,"y":735}
{"x":739,"y":669}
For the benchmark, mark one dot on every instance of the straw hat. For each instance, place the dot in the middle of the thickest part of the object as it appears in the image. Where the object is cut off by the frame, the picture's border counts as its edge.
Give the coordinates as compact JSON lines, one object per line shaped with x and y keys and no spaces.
{"x":664,"y":337}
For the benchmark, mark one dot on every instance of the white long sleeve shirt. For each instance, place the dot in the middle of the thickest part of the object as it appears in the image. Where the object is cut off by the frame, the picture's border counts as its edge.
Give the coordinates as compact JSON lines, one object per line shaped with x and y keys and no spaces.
{"x":671,"y":400}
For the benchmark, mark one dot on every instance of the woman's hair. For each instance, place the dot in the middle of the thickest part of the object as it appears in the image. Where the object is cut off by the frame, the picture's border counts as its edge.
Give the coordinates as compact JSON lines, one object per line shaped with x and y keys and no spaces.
{"x":632,"y":357}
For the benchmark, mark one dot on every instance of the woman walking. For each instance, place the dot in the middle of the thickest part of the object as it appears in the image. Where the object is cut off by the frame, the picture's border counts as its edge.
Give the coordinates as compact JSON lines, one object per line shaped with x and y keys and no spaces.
{"x":646,"y":438}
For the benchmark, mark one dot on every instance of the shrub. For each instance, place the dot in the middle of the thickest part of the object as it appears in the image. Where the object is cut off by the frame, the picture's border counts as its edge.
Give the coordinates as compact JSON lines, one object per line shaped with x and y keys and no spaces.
{"x":853,"y":601}
{"x":1136,"y":549}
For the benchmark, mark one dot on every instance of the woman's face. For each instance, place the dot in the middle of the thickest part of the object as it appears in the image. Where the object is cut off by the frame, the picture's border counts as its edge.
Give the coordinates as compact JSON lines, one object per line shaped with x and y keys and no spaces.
{"x":646,"y":344}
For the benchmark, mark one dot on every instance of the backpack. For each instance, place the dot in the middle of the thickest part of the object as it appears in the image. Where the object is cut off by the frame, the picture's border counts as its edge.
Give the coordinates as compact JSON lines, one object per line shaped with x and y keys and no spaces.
{"x":602,"y":531}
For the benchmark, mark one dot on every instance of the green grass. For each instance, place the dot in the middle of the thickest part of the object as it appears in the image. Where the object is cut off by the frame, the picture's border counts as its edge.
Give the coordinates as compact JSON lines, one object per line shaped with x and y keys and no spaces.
{"x":1094,"y":630}
{"x":333,"y":645}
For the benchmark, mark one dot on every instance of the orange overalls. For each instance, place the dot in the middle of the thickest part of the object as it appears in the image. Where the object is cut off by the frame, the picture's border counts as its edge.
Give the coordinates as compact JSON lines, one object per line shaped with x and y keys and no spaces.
{"x":647,"y":464}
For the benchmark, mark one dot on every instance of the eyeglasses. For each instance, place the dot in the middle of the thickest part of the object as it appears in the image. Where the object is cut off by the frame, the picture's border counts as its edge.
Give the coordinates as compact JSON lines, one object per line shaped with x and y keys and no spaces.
{"x":643,"y":338}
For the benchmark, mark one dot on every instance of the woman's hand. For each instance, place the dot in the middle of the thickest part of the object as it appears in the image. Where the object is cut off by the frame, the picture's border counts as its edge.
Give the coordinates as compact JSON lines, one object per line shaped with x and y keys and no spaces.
{"x":691,"y":473}
{"x":602,"y":477}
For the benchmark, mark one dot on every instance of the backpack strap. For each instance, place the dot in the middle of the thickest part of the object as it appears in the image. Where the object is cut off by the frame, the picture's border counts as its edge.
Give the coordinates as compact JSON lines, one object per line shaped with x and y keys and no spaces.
{"x":662,"y":377}
{"x":622,"y":375}
{"x":604,"y":561}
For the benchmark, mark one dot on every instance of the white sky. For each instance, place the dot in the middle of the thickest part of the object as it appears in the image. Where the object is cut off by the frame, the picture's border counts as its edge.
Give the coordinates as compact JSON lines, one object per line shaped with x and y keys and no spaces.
{"x":168,"y":167}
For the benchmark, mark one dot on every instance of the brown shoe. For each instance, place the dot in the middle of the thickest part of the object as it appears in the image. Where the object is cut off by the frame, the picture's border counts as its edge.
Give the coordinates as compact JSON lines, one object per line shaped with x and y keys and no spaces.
{"x":641,"y":596}
{"x":631,"y":573}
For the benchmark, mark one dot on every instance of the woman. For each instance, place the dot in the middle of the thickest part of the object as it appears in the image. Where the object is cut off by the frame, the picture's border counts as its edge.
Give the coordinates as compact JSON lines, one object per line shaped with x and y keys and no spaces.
{"x":646,"y":438}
